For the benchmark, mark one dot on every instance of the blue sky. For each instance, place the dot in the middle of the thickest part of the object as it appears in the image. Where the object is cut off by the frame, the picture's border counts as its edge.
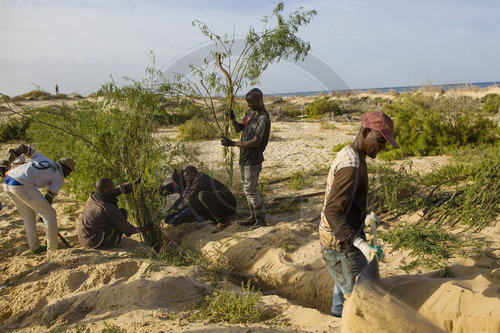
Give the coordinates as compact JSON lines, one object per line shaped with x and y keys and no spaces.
{"x":378,"y":43}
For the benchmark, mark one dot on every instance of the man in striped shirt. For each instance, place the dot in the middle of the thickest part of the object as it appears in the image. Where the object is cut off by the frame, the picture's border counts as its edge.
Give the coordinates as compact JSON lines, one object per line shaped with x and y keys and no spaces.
{"x":343,"y":242}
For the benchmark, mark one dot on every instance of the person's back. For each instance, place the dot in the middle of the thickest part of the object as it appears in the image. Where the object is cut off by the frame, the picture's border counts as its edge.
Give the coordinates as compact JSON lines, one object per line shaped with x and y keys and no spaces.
{"x":102,"y":222}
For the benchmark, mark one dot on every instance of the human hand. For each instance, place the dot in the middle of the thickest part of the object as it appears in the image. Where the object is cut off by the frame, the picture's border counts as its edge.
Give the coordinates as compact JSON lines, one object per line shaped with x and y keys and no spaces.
{"x":226,"y":142}
{"x":230,"y":114}
{"x":368,"y":251}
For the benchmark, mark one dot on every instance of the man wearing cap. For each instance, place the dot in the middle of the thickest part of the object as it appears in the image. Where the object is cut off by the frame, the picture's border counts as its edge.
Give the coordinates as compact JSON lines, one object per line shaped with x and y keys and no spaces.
{"x":343,"y":242}
{"x":21,"y":185}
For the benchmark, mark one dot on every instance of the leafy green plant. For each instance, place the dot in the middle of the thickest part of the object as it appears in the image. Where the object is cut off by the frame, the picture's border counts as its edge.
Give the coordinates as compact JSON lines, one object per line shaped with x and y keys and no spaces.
{"x":224,"y":306}
{"x":14,"y":128}
{"x":322,"y":105}
{"x":277,"y":40}
{"x":431,"y":245}
{"x":425,"y":125}
{"x":112,"y":328}
{"x":298,"y":180}
{"x":491,"y":103}
{"x":177,"y":112}
{"x":195,"y":130}
{"x":113,"y":136}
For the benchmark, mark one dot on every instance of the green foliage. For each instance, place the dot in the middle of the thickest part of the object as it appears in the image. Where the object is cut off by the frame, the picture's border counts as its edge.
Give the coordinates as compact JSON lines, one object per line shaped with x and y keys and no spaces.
{"x":465,"y":191}
{"x":298,"y":180}
{"x":14,"y":128}
{"x":491,"y":103}
{"x":196,"y":129}
{"x":36,"y":94}
{"x":277,"y":40}
{"x":112,"y":136}
{"x":322,"y":105}
{"x":338,"y":147}
{"x":394,"y":190}
{"x":425,"y":125}
{"x":431,"y":245}
{"x":224,"y":306}
{"x":111,"y":328}
{"x":177,"y":113}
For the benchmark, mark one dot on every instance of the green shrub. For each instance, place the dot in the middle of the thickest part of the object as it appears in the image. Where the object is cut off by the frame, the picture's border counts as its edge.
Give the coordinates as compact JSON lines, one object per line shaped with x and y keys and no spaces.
{"x":14,"y":128}
{"x":225,"y":306}
{"x":111,"y":328}
{"x":322,"y":105}
{"x":394,"y":191}
{"x":110,"y":137}
{"x":173,"y":113}
{"x":491,"y":103}
{"x":36,"y":94}
{"x":196,"y":129}
{"x":428,"y":126}
{"x":431,"y":245}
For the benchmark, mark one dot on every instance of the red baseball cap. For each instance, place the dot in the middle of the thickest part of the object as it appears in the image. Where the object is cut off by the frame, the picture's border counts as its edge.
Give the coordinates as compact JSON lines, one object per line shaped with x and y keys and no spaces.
{"x":381,"y":122}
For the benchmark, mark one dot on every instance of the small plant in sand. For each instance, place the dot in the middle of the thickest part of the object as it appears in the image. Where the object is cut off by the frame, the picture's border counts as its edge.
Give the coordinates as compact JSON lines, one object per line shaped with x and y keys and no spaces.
{"x":239,"y":67}
{"x":112,"y":328}
{"x":431,"y":245}
{"x":224,"y":306}
{"x":298,"y":180}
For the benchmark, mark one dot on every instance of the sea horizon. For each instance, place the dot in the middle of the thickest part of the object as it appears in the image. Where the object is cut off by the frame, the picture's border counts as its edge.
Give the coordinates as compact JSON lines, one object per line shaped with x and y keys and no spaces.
{"x":399,"y":89}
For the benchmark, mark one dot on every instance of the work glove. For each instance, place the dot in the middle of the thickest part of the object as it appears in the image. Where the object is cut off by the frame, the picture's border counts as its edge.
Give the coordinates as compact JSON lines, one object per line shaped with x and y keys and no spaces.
{"x":372,"y":218}
{"x":230,"y":114}
{"x":368,"y":251}
{"x":49,"y":197}
{"x":226,"y":142}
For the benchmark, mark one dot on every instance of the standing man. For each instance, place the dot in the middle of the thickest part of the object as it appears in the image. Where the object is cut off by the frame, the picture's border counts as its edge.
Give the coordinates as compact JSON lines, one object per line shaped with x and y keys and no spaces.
{"x":21,"y":185}
{"x":343,"y":242}
{"x":103,"y":224}
{"x":256,"y":127}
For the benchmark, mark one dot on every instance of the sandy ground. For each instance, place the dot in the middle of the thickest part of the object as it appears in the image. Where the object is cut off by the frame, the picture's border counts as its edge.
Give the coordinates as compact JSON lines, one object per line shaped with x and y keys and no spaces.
{"x":93,"y":288}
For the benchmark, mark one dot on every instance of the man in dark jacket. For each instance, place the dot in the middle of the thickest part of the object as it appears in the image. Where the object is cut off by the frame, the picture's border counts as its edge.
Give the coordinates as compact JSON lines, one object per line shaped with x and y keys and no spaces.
{"x":256,"y":126}
{"x":207,"y":197}
{"x":102,"y":223}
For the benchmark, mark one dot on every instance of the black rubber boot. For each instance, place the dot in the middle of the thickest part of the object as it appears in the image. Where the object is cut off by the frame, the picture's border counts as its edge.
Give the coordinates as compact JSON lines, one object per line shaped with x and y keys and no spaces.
{"x":260,"y":218}
{"x":250,"y":220}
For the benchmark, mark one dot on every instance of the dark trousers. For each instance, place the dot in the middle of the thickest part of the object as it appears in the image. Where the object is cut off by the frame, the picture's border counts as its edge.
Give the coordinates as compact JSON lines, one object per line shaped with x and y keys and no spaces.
{"x":112,"y":237}
{"x":215,"y":206}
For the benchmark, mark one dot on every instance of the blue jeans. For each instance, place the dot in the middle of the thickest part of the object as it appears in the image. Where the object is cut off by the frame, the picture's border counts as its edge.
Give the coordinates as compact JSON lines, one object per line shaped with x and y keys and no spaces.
{"x":344,"y":267}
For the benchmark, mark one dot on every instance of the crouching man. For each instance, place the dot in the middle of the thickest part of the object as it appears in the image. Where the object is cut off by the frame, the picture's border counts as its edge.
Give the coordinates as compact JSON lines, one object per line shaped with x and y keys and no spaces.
{"x":21,"y":184}
{"x":206,"y":196}
{"x":102,"y":223}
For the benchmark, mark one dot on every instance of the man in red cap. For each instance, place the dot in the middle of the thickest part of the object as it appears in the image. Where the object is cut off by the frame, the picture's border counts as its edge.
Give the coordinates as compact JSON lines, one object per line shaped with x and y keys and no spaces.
{"x":343,"y":242}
